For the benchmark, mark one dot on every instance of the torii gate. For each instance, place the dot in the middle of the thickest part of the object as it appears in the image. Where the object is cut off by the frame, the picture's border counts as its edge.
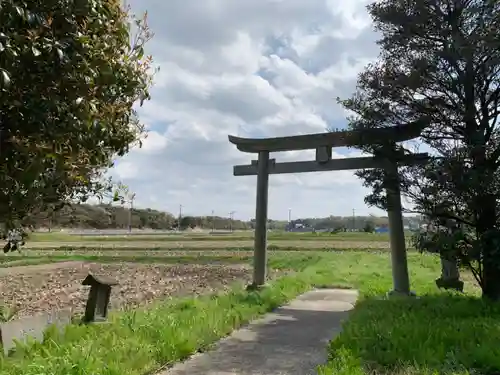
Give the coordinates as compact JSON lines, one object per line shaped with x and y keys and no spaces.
{"x":323,"y":144}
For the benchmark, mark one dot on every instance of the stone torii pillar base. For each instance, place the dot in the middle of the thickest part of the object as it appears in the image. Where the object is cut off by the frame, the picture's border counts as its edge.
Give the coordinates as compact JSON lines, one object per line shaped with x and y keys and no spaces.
{"x":395,"y":293}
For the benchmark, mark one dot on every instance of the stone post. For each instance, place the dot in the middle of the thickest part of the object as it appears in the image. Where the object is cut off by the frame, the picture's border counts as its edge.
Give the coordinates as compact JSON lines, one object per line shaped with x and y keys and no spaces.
{"x":450,"y":275}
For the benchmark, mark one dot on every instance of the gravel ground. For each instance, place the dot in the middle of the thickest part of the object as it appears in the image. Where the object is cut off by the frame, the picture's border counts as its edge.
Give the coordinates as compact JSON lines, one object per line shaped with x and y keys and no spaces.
{"x":32,"y":289}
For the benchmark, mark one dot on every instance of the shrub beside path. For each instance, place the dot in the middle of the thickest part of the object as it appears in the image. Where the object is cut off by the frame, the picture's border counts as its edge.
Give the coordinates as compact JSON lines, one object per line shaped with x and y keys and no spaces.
{"x":292,"y":340}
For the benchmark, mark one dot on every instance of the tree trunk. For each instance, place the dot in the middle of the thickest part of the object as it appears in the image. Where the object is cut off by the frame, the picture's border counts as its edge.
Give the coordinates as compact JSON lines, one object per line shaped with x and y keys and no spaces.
{"x":491,"y":279}
{"x":490,"y":242}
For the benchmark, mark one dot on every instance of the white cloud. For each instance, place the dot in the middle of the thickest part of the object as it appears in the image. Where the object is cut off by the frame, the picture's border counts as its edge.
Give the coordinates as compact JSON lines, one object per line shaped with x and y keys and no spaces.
{"x":249,"y":68}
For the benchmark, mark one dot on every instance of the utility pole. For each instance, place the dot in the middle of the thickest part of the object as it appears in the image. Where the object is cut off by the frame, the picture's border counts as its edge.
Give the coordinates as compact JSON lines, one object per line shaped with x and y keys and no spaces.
{"x":213,"y":221}
{"x":289,"y":215}
{"x":131,"y":207}
{"x":180,"y":218}
{"x":353,"y":219}
{"x":231,"y":221}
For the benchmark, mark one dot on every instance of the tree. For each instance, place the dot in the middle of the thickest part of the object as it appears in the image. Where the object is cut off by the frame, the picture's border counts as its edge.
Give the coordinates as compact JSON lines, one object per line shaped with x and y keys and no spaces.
{"x":369,"y":227}
{"x":187,"y":222}
{"x":439,"y":66}
{"x":70,"y":74}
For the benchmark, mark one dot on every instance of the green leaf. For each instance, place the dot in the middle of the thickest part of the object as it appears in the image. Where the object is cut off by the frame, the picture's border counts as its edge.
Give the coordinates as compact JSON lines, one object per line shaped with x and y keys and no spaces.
{"x":5,"y":78}
{"x":140,"y":53}
{"x":60,"y":54}
{"x":19,"y":11}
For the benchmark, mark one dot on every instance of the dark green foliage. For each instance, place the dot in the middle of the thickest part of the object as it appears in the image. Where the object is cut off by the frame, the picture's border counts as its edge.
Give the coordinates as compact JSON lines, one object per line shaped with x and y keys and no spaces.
{"x":439,"y":65}
{"x":70,"y":72}
{"x":369,"y":227}
{"x":108,"y":216}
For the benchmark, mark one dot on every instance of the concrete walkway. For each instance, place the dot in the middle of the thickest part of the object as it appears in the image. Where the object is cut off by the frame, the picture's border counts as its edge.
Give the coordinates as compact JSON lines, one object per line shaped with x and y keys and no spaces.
{"x":290,"y":341}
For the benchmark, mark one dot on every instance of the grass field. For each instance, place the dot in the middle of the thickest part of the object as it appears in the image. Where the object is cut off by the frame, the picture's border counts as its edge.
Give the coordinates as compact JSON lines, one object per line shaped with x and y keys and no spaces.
{"x":193,"y":236}
{"x":193,"y":295}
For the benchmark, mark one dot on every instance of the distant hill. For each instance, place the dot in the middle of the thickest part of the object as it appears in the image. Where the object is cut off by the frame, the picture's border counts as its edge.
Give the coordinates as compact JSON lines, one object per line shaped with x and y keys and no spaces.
{"x":86,"y":216}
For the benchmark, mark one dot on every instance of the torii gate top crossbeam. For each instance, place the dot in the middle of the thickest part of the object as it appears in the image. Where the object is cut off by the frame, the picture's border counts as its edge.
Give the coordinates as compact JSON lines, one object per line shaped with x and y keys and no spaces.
{"x":347,"y":138}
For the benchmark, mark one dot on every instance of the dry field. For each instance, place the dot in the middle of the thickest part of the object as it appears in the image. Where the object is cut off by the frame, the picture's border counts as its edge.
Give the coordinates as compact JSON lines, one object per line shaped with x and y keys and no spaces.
{"x":214,"y":244}
{"x":120,"y":252}
{"x":32,"y":289}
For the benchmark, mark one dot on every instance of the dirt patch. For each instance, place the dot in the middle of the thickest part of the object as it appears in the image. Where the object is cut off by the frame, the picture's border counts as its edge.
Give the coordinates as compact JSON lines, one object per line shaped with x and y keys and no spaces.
{"x":33,"y":289}
{"x":36,"y":268}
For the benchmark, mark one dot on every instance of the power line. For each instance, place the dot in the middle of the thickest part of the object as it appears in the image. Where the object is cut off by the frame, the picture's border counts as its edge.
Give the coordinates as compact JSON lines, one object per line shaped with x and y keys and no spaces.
{"x":131,"y":207}
{"x":213,"y":221}
{"x":180,"y":218}
{"x":231,"y":220}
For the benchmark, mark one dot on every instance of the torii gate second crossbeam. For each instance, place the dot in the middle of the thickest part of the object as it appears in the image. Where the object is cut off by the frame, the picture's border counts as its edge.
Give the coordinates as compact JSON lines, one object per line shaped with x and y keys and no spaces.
{"x":323,"y":144}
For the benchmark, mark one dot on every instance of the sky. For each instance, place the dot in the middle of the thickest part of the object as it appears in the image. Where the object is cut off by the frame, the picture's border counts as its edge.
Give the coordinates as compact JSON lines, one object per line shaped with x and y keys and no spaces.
{"x":252,"y":68}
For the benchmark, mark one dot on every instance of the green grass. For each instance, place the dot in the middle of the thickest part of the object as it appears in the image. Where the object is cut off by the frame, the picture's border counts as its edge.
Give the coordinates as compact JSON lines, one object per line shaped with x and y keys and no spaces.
{"x":237,"y":236}
{"x":435,"y":334}
{"x":439,"y":333}
{"x":140,"y":341}
{"x":279,"y":261}
{"x":203,"y":259}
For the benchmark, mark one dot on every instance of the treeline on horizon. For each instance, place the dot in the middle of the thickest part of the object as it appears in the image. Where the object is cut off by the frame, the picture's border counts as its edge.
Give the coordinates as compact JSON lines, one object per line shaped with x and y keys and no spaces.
{"x":86,"y":216}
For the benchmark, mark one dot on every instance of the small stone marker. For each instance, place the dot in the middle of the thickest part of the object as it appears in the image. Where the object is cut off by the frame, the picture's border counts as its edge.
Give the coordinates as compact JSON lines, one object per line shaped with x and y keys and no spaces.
{"x":98,"y":301}
{"x":32,"y":326}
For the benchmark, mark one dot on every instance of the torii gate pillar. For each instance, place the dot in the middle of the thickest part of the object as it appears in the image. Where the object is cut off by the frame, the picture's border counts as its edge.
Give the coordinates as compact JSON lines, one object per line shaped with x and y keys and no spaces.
{"x":260,"y":236}
{"x":400,"y":277}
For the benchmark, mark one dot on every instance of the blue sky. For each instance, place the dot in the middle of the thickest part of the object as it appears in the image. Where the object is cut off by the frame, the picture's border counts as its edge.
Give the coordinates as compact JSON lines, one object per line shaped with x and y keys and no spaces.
{"x":253,"y":68}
